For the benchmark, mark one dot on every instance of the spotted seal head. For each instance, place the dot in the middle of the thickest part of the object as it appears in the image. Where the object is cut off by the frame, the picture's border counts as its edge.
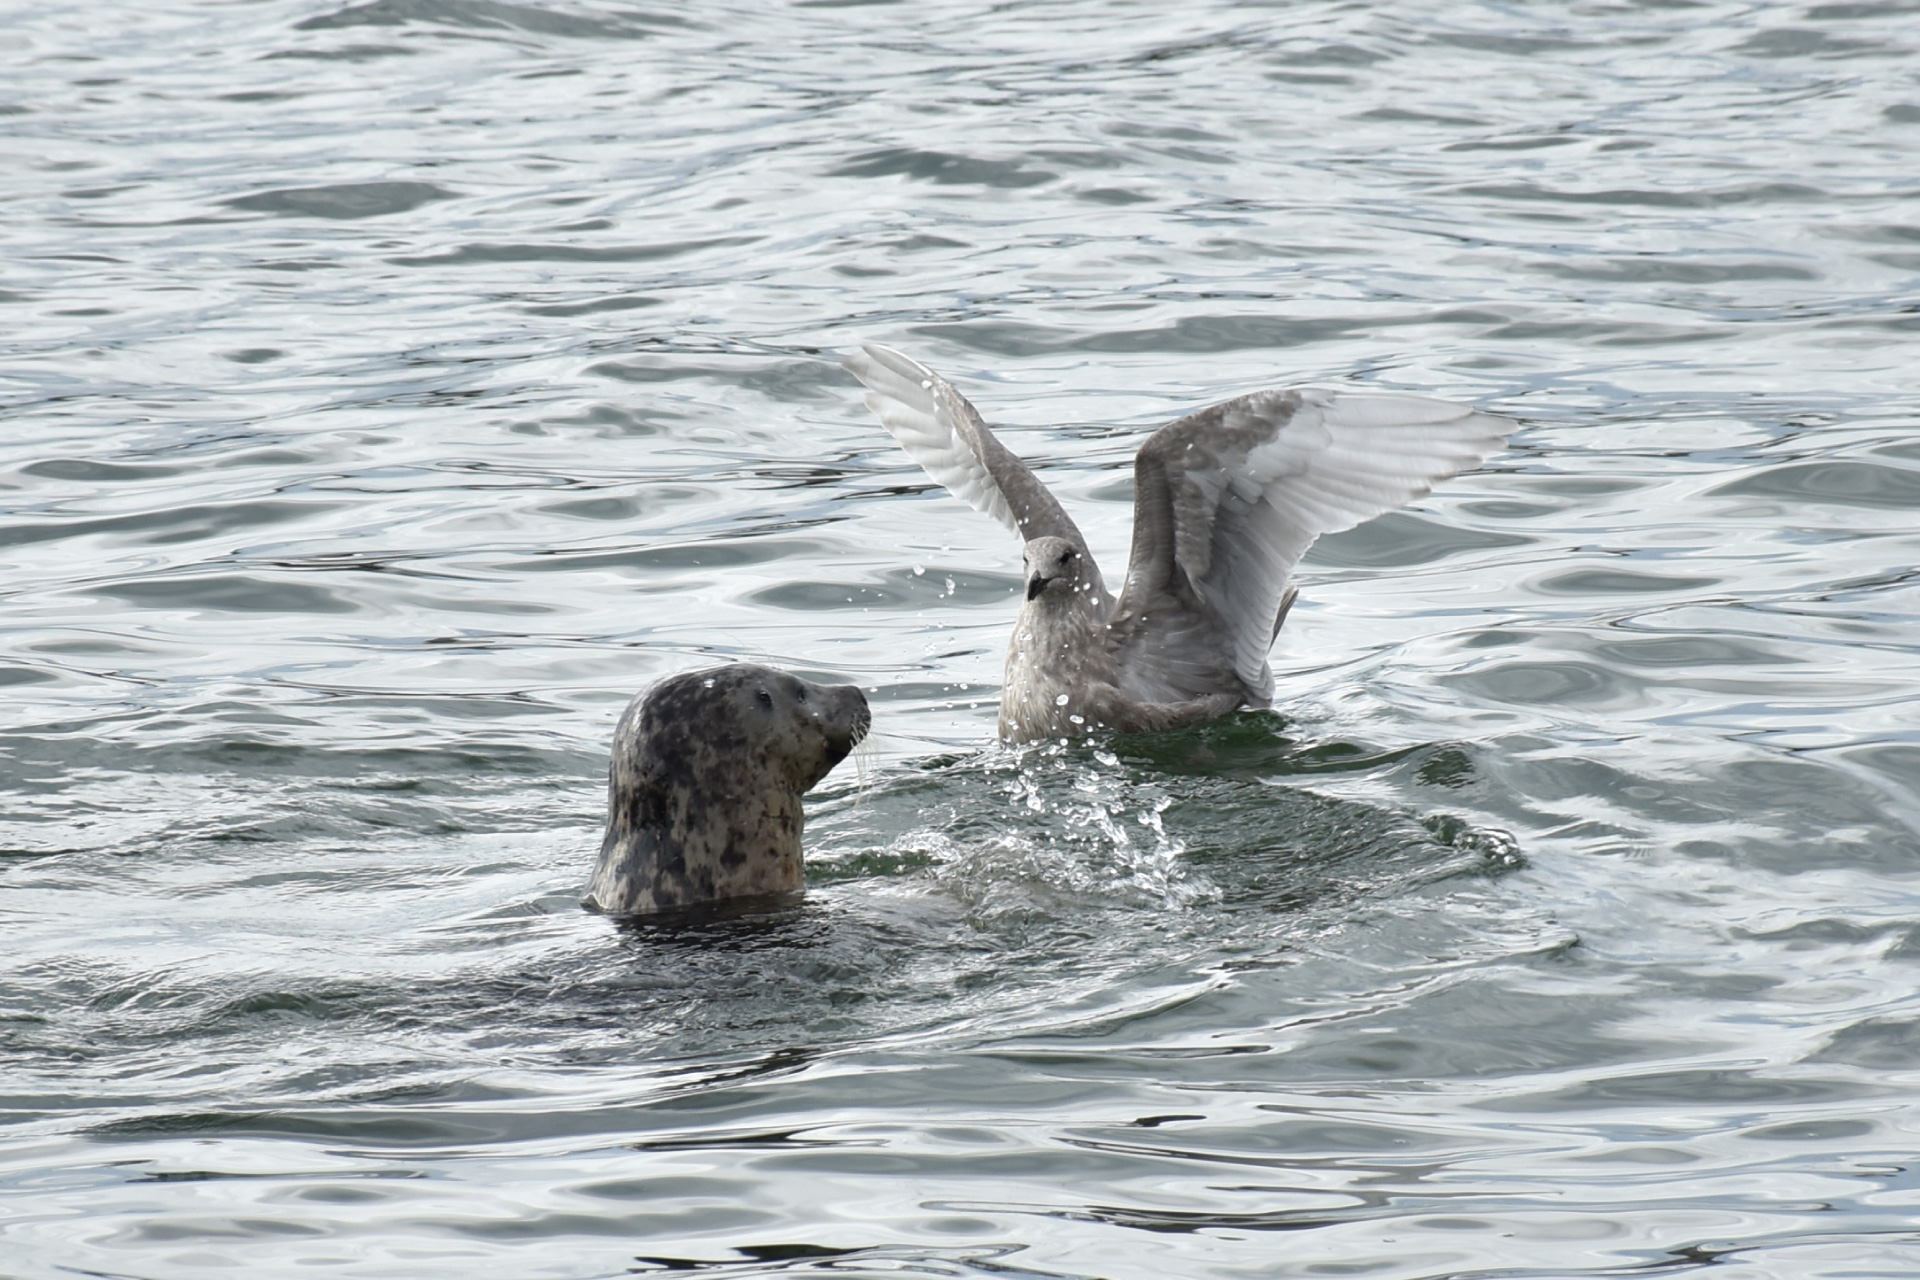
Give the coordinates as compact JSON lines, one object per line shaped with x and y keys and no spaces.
{"x":704,"y":785}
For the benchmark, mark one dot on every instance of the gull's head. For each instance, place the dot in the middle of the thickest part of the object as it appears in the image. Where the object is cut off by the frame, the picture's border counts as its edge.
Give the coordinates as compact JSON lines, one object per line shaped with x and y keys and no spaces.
{"x":1055,"y":566}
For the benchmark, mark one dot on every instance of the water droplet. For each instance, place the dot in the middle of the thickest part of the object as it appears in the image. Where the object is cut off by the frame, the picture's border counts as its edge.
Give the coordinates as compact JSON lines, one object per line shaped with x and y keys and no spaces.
{"x":1060,"y":701}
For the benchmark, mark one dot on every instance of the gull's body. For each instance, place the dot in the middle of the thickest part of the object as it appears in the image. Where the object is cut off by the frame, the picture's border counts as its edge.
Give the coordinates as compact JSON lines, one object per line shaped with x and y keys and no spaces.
{"x":1225,"y":503}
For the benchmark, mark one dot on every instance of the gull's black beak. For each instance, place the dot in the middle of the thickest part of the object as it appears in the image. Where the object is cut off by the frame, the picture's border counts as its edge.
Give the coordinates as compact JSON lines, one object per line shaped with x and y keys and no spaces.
{"x":1035,"y":585}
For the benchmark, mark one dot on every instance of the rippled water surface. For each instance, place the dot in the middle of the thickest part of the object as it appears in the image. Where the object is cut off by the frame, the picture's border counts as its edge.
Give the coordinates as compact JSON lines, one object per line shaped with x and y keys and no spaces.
{"x":392,"y":389}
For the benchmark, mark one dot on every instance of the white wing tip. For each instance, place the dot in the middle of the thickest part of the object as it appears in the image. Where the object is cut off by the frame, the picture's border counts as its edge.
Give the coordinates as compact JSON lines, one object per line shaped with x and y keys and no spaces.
{"x":872,"y":357}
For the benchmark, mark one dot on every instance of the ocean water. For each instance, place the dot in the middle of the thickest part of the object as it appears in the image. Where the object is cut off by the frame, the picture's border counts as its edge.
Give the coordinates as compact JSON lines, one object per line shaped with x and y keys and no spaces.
{"x":393,"y":389}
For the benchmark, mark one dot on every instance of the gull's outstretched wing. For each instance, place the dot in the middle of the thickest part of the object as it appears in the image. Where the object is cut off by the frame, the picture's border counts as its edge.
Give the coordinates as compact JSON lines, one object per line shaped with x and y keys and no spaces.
{"x":1228,"y":499}
{"x":944,"y":434}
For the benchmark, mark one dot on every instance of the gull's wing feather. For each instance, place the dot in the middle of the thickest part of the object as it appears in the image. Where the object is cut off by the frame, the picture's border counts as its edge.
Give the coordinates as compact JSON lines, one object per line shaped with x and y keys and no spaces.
{"x":945,"y":435}
{"x":1228,"y":499}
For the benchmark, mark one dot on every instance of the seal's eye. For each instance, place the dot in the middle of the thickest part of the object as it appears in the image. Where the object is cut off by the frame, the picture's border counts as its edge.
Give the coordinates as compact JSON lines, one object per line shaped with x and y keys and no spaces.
{"x":766,"y":699}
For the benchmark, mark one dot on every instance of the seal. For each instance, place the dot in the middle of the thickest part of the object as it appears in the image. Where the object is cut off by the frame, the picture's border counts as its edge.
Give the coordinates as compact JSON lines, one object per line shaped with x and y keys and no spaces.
{"x":704,"y":785}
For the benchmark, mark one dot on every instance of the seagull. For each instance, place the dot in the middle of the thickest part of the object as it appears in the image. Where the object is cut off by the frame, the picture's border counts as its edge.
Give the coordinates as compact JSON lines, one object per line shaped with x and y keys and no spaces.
{"x":1225,"y":502}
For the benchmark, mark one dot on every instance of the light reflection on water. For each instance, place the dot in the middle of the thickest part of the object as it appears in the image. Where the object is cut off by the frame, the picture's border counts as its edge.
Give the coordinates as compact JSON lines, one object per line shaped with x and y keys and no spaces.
{"x":396,"y":387}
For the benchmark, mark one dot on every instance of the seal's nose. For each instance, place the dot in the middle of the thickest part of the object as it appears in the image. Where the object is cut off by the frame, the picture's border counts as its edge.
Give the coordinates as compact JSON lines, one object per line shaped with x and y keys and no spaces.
{"x":848,"y":720}
{"x":1035,"y":585}
{"x":864,"y":721}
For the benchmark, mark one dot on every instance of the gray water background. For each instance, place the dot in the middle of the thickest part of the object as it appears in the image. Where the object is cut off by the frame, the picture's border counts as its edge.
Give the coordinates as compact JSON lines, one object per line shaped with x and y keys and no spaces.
{"x":393,"y":389}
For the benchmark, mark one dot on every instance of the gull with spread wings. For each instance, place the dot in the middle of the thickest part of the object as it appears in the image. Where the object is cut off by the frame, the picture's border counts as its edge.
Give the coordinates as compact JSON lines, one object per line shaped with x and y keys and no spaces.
{"x":1225,"y":503}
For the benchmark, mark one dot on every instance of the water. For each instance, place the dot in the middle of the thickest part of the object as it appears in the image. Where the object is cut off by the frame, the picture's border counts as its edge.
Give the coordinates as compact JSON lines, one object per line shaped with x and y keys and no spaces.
{"x":393,"y":389}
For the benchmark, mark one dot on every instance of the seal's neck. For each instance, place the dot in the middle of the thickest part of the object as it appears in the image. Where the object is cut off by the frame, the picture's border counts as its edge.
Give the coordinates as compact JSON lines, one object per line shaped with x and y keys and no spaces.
{"x":720,"y":837}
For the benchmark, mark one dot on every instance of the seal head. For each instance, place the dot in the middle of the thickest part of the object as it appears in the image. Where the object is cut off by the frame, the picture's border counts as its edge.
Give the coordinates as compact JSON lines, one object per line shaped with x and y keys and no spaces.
{"x":704,"y":785}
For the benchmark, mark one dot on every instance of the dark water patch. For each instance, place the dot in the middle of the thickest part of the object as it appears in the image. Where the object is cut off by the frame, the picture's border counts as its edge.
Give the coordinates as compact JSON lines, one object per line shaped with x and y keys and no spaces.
{"x":1538,"y":683}
{"x":1876,"y":1044}
{"x":168,"y":527}
{"x":228,"y":593}
{"x":923,"y":242}
{"x":1648,"y":335}
{"x":1080,"y":158}
{"x":1514,"y":144}
{"x":1706,"y":1087}
{"x":1202,"y":334}
{"x":1447,"y":767}
{"x":1724,"y":197}
{"x":347,"y":200}
{"x":1402,"y":115}
{"x":1477,"y":1031}
{"x":1403,"y":539}
{"x":1190,"y":334}
{"x":381,"y":1132}
{"x":613,"y":420}
{"x":1838,"y":482}
{"x":693,"y":555}
{"x":1702,"y":653}
{"x":776,"y":379}
{"x":1618,"y":582}
{"x":943,"y":168}
{"x":1113,"y":196}
{"x":624,"y":507}
{"x":1810,"y":1131}
{"x":1247,"y":745}
{"x":345,"y":53}
{"x":475,"y":254}
{"x":1575,"y":486}
{"x":899,"y":589}
{"x":1670,"y":270}
{"x":624,"y":302}
{"x":485,"y":15}
{"x":1509,"y":45}
{"x":1834,"y":820}
{"x":1809,"y":935}
{"x":95,"y":471}
{"x":916,"y":691}
{"x":430,"y":770}
{"x":1855,"y":12}
{"x":1808,"y":42}
{"x":1506,"y":509}
{"x":874,"y":1261}
{"x":1898,"y":762}
{"x":1204,"y":1223}
{"x":1333,"y":55}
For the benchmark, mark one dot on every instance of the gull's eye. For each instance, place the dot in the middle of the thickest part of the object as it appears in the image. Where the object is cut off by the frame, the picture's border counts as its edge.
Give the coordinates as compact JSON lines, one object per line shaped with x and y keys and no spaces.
{"x":766,"y":699}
